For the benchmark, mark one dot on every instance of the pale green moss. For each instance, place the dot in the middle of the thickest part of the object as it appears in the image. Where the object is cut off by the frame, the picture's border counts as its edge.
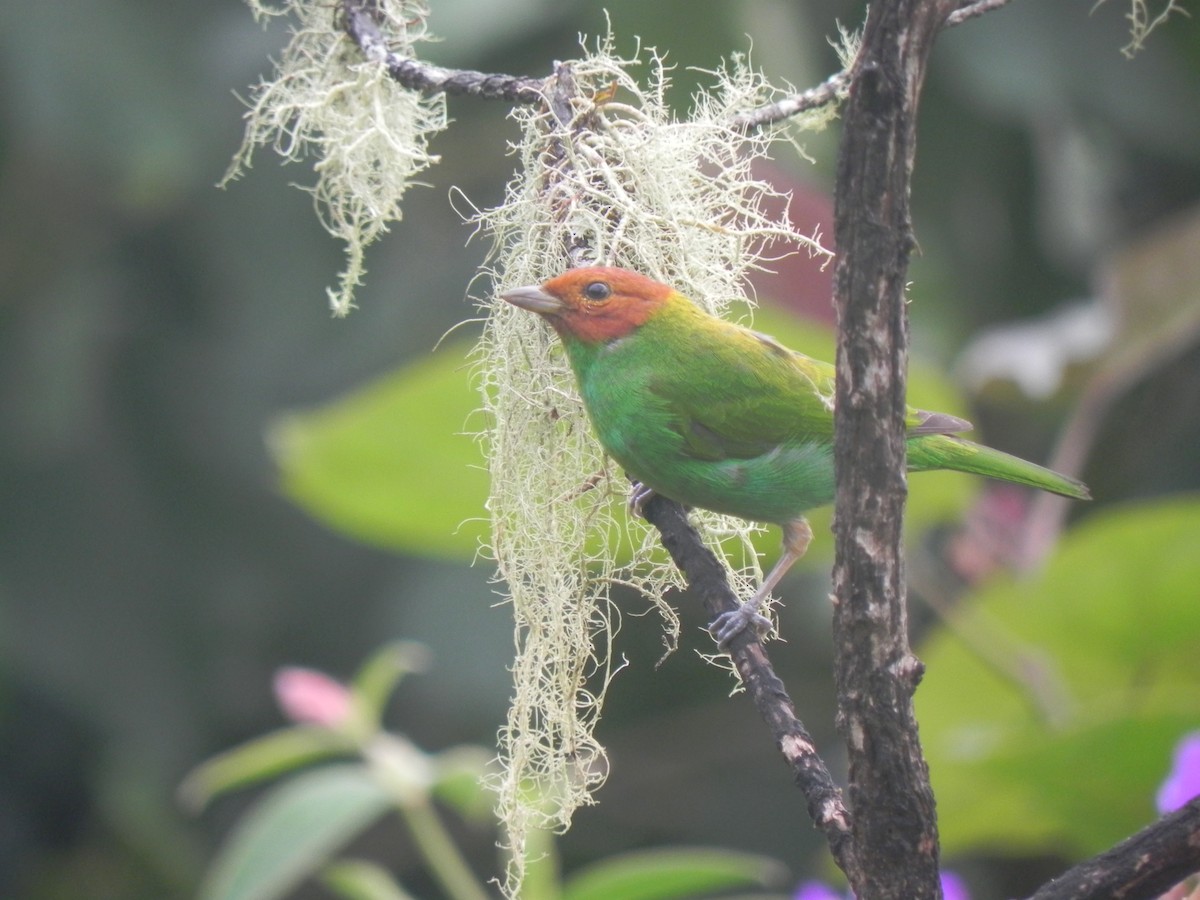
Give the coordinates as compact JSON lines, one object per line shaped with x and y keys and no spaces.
{"x":1143,"y":18}
{"x":678,"y":200}
{"x":368,"y":137}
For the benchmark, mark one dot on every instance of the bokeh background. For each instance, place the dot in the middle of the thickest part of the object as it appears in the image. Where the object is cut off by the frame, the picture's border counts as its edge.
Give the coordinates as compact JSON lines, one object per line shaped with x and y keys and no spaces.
{"x":153,"y":574}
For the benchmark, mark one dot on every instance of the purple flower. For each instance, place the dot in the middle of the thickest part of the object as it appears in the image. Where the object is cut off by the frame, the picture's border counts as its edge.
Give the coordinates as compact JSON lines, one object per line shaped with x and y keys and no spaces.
{"x":953,"y":888}
{"x":816,"y":890}
{"x":1183,"y":782}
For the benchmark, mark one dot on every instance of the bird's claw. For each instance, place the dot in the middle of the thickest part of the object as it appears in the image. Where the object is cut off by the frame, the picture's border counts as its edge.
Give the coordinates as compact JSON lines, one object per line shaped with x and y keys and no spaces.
{"x":728,"y":625}
{"x":639,"y":496}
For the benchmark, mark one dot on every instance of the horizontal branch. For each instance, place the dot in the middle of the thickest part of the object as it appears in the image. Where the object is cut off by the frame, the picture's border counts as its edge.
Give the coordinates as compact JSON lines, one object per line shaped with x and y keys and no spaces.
{"x":1140,"y":867}
{"x":831,"y":90}
{"x":362,"y":26}
{"x":363,"y":29}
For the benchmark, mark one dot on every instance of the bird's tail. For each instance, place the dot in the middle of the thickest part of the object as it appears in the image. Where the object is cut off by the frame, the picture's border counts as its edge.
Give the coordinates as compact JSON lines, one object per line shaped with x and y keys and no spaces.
{"x":944,"y":451}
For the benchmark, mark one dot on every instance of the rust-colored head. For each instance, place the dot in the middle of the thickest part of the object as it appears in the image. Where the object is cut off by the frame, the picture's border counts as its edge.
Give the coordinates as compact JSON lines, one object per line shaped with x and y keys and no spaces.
{"x":593,"y":304}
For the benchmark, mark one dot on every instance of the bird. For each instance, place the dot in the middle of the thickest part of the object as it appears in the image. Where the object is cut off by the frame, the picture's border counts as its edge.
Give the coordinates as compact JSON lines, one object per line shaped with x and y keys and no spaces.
{"x":718,"y":416}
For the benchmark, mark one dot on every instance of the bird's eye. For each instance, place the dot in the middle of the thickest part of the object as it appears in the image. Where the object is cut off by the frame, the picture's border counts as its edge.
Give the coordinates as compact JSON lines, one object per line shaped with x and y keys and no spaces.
{"x":597,"y":291}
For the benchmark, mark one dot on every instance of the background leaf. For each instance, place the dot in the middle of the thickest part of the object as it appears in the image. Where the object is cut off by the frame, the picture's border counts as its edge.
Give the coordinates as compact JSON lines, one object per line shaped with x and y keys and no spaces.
{"x":257,"y":759}
{"x":360,"y":879}
{"x":391,"y":463}
{"x":293,"y":831}
{"x":1109,"y":638}
{"x":666,"y":874}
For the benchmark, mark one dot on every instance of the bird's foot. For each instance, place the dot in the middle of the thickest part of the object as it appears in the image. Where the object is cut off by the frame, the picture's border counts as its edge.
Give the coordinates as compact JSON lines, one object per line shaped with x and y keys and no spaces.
{"x":728,"y":625}
{"x":639,"y":496}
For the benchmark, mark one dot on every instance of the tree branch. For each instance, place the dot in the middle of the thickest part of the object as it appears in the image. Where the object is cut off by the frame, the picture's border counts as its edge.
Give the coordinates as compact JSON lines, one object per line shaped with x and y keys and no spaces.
{"x":707,"y":579}
{"x":831,"y":90}
{"x":1140,"y":867}
{"x":359,"y":22}
{"x":894,"y":824}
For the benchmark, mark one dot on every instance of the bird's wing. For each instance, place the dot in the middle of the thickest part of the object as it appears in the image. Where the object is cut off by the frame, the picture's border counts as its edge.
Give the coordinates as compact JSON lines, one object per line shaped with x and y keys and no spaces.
{"x":753,"y":394}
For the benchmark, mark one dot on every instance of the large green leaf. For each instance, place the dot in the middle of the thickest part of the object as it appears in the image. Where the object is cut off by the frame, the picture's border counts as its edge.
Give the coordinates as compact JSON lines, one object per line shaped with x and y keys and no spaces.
{"x":293,"y":832}
{"x":1102,"y":650}
{"x":392,"y":464}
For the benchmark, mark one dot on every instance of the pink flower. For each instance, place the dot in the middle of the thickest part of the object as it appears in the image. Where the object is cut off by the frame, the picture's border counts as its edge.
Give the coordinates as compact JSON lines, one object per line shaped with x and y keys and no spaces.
{"x":309,"y":697}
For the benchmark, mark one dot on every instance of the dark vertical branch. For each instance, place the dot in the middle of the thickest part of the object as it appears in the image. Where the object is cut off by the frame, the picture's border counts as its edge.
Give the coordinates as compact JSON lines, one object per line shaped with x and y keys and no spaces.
{"x":892,"y":807}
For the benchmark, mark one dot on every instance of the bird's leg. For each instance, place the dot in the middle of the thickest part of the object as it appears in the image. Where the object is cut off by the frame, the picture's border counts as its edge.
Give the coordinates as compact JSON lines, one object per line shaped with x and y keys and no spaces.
{"x":725,"y":627}
{"x":639,"y":496}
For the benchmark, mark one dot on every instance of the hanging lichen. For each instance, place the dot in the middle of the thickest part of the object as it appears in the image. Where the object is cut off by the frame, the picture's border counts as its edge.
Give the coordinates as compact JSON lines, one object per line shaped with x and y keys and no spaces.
{"x":368,"y":136}
{"x":680,"y":201}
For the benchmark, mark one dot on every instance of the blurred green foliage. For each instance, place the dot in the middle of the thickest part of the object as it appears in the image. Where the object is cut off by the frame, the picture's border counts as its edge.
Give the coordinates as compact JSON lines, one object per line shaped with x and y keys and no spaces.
{"x":1053,"y":702}
{"x":152,"y":574}
{"x":298,"y":828}
{"x":392,"y":465}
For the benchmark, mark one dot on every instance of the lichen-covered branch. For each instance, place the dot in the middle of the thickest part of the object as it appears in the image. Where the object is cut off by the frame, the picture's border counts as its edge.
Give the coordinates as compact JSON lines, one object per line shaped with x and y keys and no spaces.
{"x":828,"y":92}
{"x":361,"y":23}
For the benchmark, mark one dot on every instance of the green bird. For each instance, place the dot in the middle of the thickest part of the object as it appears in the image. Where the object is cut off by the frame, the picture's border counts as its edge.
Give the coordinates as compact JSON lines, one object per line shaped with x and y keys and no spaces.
{"x":718,"y":416}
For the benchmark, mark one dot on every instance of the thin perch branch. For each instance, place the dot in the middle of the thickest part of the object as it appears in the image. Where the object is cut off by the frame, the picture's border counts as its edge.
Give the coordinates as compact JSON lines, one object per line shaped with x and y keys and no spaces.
{"x":706,"y":578}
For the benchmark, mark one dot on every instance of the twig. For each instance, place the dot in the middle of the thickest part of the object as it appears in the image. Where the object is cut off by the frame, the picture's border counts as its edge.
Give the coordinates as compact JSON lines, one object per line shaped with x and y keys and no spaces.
{"x":828,"y":91}
{"x":833,"y":88}
{"x":707,"y":579}
{"x":973,"y":10}
{"x":360,"y":23}
{"x":1140,"y":867}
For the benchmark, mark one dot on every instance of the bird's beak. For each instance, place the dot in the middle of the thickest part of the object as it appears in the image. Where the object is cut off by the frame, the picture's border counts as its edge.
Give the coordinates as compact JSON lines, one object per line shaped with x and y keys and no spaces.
{"x":534,"y":299}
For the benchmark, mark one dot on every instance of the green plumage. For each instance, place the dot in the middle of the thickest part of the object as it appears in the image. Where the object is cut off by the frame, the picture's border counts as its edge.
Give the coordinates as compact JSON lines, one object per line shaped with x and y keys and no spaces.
{"x":721,"y":417}
{"x":717,"y":416}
